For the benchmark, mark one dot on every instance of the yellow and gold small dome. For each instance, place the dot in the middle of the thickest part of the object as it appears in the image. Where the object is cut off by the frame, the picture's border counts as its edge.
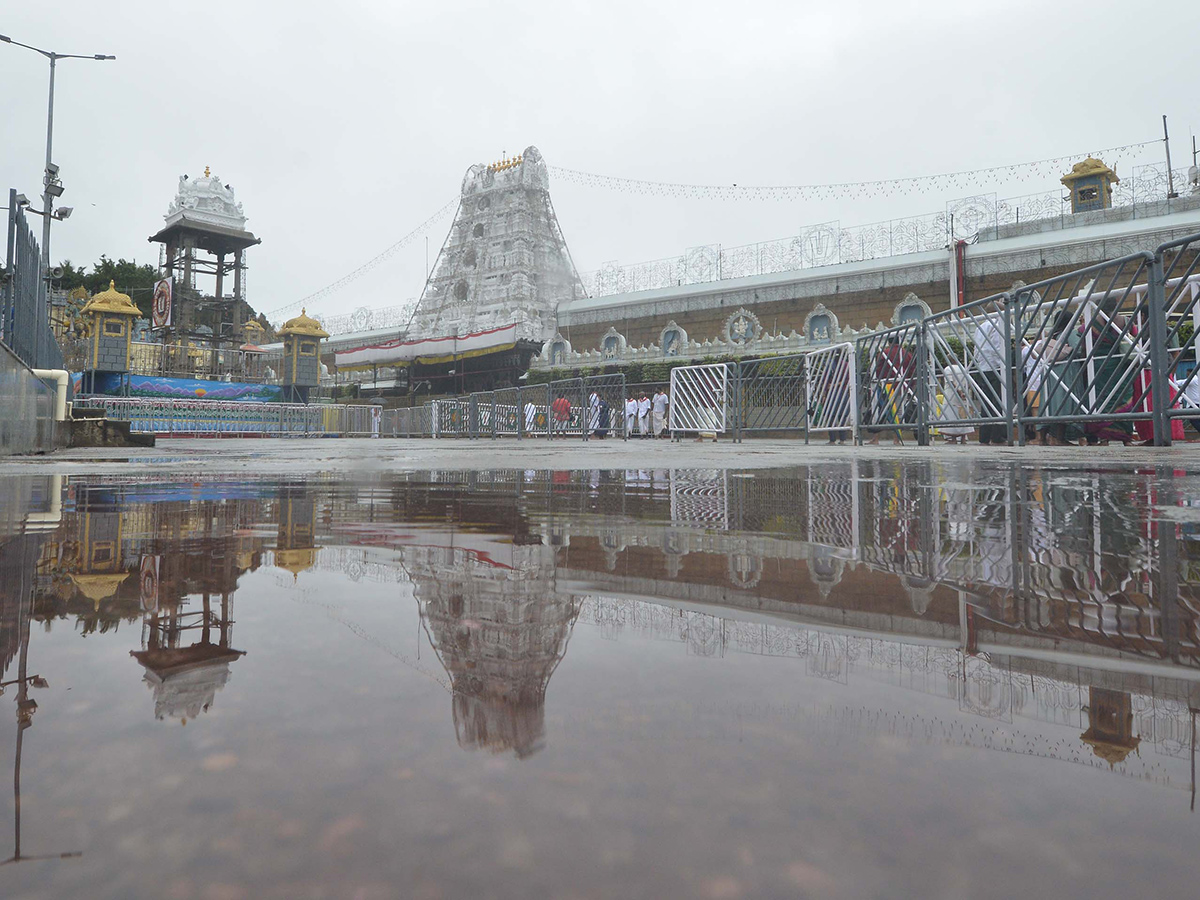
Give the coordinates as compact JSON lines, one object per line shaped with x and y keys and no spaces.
{"x":111,"y":301}
{"x":303,"y":324}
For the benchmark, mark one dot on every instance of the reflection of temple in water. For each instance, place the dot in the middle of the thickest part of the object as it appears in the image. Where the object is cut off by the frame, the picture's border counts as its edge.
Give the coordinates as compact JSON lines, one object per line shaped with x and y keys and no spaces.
{"x":167,"y":553}
{"x":499,"y":629}
{"x":186,"y":654}
{"x":1025,"y":598}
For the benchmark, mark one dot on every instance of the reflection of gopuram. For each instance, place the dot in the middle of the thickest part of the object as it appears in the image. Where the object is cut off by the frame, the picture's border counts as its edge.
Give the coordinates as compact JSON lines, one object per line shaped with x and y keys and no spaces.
{"x":500,"y":630}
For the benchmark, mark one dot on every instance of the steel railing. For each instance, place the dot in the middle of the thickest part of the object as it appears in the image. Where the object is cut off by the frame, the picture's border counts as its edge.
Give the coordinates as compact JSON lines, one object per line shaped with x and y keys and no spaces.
{"x":1107,"y":352}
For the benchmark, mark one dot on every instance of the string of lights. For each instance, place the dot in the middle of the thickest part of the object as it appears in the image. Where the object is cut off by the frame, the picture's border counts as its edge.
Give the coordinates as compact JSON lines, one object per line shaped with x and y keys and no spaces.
{"x":966,"y":180}
{"x":366,"y":267}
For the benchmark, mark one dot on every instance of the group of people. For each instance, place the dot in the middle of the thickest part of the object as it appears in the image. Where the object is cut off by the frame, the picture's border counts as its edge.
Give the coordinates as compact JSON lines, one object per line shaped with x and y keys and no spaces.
{"x":645,"y":415}
{"x":648,"y":414}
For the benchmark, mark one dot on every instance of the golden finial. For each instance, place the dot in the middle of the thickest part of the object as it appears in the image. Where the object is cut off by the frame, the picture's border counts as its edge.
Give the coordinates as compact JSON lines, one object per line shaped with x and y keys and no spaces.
{"x":207,"y":174}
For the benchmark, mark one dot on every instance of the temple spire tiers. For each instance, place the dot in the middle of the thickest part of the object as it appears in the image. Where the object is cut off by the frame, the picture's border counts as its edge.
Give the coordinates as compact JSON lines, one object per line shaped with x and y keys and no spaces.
{"x":205,"y":234}
{"x":505,"y":259}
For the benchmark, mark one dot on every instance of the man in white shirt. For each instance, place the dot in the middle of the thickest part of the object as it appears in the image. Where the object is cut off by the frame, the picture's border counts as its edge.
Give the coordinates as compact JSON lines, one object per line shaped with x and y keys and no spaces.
{"x":631,"y":411}
{"x":658,"y":410}
{"x":643,"y":410}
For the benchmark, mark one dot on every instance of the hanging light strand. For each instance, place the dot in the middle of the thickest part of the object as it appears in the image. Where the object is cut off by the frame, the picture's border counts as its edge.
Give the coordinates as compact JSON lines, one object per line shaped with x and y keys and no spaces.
{"x":972,"y":178}
{"x":367,"y":266}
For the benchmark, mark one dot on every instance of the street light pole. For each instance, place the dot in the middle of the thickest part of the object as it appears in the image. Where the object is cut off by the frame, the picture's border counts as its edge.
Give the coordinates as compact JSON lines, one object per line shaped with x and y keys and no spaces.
{"x":47,"y":200}
{"x":50,"y":176}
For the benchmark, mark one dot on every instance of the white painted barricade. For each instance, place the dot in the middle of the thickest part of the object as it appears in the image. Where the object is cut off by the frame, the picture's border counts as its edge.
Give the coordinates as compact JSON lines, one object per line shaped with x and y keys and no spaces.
{"x":699,"y":399}
{"x":832,"y":389}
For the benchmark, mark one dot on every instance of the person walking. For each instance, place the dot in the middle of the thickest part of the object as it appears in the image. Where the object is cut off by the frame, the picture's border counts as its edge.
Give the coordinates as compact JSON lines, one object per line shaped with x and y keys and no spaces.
{"x":631,"y":409}
{"x":561,"y":408}
{"x":530,"y":417}
{"x":658,"y":411}
{"x":643,"y":410}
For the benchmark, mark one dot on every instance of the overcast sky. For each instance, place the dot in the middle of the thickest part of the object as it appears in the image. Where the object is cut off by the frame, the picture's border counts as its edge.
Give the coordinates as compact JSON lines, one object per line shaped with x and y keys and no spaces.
{"x":342,"y":126}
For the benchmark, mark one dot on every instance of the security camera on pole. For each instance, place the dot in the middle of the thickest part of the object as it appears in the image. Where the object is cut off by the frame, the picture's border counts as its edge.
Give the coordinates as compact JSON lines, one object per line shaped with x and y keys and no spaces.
{"x":50,"y":180}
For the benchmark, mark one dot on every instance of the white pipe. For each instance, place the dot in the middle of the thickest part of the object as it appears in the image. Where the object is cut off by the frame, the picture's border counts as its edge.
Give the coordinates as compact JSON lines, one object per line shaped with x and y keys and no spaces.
{"x":60,"y":377}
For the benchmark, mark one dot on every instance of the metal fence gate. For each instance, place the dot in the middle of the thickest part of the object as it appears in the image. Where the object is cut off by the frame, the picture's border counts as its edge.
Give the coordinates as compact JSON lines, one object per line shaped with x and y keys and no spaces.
{"x":891,"y":381}
{"x":967,"y":364}
{"x":700,"y":399}
{"x":830,"y":391}
{"x":772,"y":395}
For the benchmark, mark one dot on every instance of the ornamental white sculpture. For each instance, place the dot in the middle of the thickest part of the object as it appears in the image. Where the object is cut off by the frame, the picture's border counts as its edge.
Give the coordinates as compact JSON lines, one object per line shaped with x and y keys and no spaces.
{"x":206,"y":199}
{"x":671,"y":339}
{"x":820,"y":325}
{"x":742,"y":327}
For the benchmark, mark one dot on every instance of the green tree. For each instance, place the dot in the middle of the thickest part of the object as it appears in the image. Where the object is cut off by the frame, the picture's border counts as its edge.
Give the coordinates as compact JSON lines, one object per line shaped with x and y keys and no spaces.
{"x":130,"y":278}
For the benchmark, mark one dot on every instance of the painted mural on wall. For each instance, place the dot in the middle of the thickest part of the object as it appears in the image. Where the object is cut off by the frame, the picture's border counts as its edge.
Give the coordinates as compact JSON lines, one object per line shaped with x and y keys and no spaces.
{"x":183,"y":388}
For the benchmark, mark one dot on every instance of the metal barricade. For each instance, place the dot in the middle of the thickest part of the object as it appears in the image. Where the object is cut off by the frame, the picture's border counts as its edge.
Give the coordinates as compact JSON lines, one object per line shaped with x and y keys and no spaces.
{"x":890,"y":373}
{"x":535,"y":410}
{"x":605,"y":406}
{"x":506,"y":407}
{"x":1086,"y":350}
{"x":701,"y":397}
{"x":968,"y":360}
{"x":772,"y":395}
{"x":831,"y":391}
{"x":567,"y":419}
{"x":1177,"y":267}
{"x":451,"y":417}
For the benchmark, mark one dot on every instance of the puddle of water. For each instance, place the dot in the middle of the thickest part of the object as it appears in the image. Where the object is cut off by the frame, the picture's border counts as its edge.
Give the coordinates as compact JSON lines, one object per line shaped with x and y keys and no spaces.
{"x":862,"y":679}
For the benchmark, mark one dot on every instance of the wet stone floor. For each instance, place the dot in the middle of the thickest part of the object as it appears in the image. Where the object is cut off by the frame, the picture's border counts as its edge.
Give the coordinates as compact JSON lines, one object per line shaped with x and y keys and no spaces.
{"x":866,"y":679}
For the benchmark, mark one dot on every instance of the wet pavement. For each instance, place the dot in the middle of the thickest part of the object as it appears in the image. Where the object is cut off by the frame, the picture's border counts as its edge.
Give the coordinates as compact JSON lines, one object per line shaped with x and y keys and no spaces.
{"x":872,"y":676}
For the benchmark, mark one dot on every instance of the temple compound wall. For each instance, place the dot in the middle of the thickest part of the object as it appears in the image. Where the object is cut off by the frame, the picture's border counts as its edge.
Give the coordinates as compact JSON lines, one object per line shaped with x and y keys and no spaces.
{"x":791,"y":311}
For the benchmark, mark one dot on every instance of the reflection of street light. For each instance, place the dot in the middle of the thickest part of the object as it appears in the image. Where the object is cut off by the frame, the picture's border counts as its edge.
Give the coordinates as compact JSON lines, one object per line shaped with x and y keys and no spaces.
{"x":26,"y":707}
{"x":51,"y":180}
